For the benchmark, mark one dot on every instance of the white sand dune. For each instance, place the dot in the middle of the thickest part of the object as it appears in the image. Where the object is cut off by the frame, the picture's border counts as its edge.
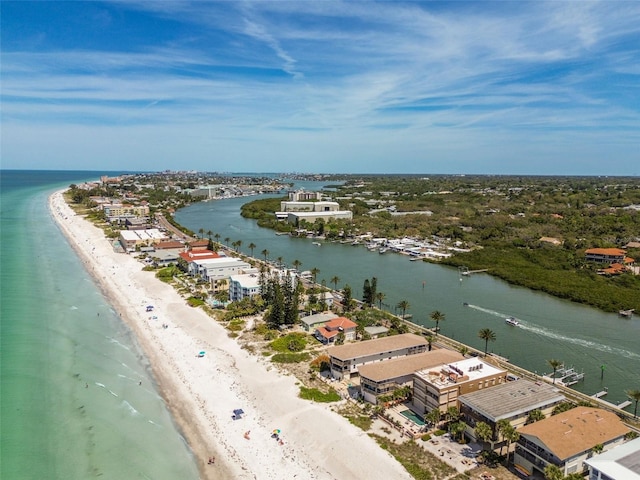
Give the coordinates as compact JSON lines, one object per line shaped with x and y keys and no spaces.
{"x":202,"y":392}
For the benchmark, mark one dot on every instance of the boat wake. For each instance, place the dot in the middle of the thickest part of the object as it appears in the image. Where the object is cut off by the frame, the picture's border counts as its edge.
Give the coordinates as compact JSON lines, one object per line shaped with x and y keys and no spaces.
{"x":544,"y":332}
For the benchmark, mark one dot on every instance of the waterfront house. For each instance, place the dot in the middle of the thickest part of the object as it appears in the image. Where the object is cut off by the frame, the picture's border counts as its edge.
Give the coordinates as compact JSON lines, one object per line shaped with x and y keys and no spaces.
{"x":605,"y":255}
{"x":130,"y":239}
{"x":567,"y":440}
{"x":192,"y":256}
{"x":382,"y":378}
{"x":215,"y":270}
{"x":511,"y":401}
{"x":311,"y":322}
{"x":243,"y":286}
{"x":346,"y":359}
{"x":328,"y":333}
{"x":619,"y":463}
{"x":441,"y":386}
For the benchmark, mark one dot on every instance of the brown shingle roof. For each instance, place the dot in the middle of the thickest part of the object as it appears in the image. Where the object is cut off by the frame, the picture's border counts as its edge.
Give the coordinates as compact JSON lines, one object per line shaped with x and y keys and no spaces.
{"x":398,"y":367}
{"x":576,"y":430}
{"x":379,"y":345}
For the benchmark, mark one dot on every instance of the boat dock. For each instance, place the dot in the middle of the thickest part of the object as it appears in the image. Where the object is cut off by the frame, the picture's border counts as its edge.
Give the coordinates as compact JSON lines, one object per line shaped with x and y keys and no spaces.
{"x":600,"y":394}
{"x":466,"y":272}
{"x":626,"y":313}
{"x":566,"y":377}
{"x":620,"y":405}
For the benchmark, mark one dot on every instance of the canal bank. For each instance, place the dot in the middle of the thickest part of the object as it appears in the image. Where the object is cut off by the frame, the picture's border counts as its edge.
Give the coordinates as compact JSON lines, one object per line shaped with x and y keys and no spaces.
{"x":549,"y":328}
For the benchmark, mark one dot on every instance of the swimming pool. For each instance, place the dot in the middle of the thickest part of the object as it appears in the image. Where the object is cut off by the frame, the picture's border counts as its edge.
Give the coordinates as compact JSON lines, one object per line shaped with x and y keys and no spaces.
{"x":413,"y":417}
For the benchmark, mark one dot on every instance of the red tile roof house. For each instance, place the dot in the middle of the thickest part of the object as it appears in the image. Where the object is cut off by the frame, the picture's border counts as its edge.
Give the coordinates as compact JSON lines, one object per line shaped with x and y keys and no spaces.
{"x":330,"y":331}
{"x":193,"y":255}
{"x":607,"y":255}
{"x":567,"y":440}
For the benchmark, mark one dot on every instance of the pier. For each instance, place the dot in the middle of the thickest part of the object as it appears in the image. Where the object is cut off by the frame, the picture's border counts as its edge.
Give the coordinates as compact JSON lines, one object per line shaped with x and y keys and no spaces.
{"x":466,"y":272}
{"x":600,"y":394}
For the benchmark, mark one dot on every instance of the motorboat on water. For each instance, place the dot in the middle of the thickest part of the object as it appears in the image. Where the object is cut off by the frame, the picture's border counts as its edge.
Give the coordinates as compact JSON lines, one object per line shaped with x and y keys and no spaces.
{"x":512,"y":321}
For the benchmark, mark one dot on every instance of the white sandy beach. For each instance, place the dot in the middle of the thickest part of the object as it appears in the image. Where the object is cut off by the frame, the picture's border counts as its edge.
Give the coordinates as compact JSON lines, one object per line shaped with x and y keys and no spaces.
{"x":202,"y":392}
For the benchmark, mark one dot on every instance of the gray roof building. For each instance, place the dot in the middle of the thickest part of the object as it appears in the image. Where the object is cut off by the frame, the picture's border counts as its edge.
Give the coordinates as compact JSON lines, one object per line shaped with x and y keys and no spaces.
{"x":619,"y":463}
{"x":512,"y":399}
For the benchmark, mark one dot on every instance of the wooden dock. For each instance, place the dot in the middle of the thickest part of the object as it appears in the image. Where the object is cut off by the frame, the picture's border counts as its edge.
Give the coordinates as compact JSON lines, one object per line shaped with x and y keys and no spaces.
{"x":600,"y":394}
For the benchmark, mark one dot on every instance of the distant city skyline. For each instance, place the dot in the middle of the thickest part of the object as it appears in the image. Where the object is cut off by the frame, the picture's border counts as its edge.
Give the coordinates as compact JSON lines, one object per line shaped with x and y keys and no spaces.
{"x":508,"y":87}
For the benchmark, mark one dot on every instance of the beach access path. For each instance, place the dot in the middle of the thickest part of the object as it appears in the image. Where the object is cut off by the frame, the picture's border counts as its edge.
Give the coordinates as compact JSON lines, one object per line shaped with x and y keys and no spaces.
{"x":202,"y":391}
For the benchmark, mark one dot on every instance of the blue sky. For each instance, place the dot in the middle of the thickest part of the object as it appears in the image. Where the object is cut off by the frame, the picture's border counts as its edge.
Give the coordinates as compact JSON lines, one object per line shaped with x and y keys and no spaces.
{"x":322,"y":86}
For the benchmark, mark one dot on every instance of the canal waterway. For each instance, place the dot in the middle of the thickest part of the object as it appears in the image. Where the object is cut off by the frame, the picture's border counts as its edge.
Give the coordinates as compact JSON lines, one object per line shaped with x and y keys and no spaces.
{"x":604,"y":346}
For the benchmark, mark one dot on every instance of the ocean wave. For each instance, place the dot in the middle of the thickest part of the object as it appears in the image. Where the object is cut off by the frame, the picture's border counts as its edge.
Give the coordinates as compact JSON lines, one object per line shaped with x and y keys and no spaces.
{"x":113,"y":340}
{"x":130,"y":408}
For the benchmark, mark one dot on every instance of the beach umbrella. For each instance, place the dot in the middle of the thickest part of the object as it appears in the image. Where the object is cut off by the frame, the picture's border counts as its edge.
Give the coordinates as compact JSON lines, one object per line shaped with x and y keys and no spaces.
{"x":276,"y":431}
{"x":202,"y":352}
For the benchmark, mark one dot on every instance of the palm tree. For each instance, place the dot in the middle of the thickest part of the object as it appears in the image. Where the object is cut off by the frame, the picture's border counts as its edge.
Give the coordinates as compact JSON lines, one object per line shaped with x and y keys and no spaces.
{"x":457,"y":429}
{"x":265,"y":253}
{"x":487,"y":335}
{"x":501,"y":426}
{"x":251,"y":247}
{"x":553,"y":472}
{"x":209,"y":233}
{"x":635,"y":396}
{"x":429,"y":338}
{"x":434,"y":416}
{"x":314,"y":272}
{"x":437,"y":316}
{"x":453,"y":414}
{"x":335,"y":279}
{"x":380,"y":297}
{"x":483,"y":432}
{"x":535,"y":415}
{"x":234,"y":244}
{"x":238,"y":245}
{"x":226,"y":241}
{"x":296,"y":264}
{"x":511,"y":435}
{"x":555,"y":364}
{"x":464,"y":350}
{"x":201,"y":232}
{"x":217,"y":237}
{"x":404,"y":306}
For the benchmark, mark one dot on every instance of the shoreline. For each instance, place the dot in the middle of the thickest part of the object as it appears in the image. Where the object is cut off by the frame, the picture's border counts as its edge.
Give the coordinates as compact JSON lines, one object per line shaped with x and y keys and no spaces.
{"x":201,"y":393}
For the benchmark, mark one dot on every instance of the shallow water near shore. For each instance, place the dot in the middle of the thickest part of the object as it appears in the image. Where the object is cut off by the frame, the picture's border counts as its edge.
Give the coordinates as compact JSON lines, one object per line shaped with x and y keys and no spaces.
{"x":78,"y":399}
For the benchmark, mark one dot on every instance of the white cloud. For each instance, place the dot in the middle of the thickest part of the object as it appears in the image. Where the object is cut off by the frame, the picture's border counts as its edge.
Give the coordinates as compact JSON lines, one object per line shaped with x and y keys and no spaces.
{"x":339,"y":80}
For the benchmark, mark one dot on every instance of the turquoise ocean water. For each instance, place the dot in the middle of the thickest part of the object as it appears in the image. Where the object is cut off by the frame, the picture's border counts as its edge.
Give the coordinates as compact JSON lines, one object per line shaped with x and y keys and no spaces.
{"x":71,"y":402}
